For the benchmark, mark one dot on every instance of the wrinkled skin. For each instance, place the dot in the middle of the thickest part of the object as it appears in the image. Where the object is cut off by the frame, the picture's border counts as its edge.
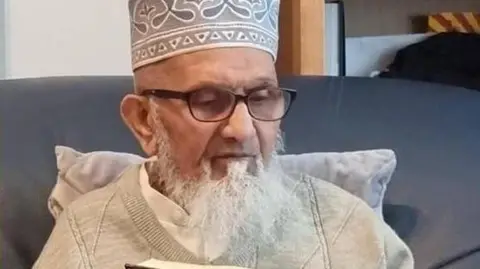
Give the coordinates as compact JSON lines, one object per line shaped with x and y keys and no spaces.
{"x":191,"y":141}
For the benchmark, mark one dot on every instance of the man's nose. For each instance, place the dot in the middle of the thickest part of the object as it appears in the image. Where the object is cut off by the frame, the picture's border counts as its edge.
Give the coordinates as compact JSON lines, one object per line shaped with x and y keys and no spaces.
{"x":240,"y":124}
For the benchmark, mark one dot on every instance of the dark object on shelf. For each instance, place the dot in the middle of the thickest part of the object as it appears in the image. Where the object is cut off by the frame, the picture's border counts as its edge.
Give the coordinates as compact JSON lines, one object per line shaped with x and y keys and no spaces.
{"x":451,"y":58}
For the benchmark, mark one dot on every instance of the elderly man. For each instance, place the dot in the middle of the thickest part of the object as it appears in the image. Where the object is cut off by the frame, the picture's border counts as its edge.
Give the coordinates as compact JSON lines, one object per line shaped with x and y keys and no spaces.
{"x":207,"y":109}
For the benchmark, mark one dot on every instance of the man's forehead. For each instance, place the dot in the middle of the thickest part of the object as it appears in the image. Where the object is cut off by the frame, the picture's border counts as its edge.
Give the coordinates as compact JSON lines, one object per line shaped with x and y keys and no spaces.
{"x":155,"y":81}
{"x":228,"y":67}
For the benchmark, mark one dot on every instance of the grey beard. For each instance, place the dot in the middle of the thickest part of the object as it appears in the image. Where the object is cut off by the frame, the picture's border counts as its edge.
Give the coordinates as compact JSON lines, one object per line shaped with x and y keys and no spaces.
{"x":238,"y":208}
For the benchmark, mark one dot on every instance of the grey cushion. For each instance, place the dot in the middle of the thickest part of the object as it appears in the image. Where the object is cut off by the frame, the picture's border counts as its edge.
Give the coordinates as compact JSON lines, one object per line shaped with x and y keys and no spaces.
{"x":434,"y":129}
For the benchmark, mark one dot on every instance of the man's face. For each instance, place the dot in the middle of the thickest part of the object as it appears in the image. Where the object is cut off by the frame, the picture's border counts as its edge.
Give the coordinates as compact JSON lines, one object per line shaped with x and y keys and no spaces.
{"x":194,"y":143}
{"x":216,"y":170}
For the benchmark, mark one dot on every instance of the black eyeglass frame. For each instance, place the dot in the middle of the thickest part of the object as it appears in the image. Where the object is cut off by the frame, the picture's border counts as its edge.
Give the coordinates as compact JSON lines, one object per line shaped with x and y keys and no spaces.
{"x":185,"y":96}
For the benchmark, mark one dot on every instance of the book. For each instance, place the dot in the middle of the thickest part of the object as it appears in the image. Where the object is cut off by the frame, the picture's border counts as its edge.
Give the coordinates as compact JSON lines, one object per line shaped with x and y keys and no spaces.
{"x":157,"y":264}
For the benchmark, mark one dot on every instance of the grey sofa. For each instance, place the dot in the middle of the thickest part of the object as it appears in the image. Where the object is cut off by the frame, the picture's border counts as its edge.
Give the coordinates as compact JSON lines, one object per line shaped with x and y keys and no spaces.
{"x":433,"y":201}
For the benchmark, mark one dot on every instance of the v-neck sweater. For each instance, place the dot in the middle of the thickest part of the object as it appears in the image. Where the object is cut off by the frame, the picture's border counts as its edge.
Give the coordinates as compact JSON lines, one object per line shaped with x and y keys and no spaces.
{"x":112,"y":226}
{"x":174,"y":220}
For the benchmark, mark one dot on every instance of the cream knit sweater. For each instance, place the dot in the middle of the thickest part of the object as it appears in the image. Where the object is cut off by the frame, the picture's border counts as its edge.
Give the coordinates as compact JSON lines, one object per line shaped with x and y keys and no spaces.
{"x":107,"y":228}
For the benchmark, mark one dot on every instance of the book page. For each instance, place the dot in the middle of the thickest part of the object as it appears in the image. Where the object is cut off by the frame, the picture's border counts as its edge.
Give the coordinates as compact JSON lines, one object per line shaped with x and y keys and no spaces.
{"x":157,"y":264}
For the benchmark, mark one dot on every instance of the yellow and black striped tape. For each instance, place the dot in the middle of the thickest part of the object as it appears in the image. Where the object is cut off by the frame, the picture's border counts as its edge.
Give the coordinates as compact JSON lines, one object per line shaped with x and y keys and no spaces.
{"x":465,"y":22}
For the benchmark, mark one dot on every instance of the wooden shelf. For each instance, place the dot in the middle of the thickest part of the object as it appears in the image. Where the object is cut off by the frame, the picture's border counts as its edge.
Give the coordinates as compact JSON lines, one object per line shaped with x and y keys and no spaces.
{"x":301,"y":50}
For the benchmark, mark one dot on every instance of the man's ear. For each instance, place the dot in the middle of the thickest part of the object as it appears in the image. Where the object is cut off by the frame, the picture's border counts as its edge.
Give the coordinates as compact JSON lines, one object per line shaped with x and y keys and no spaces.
{"x":134,"y":110}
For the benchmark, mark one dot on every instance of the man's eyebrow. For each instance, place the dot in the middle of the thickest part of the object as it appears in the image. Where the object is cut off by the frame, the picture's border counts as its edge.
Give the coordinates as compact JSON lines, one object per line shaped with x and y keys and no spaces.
{"x":253,"y":84}
{"x":263,"y":82}
{"x":207,"y":84}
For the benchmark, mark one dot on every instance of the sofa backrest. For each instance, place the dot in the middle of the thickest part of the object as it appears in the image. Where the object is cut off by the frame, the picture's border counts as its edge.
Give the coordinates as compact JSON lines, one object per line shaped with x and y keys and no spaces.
{"x":434,"y":129}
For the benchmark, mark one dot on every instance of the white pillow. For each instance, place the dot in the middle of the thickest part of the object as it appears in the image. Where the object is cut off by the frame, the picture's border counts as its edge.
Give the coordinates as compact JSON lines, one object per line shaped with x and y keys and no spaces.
{"x":365,"y":174}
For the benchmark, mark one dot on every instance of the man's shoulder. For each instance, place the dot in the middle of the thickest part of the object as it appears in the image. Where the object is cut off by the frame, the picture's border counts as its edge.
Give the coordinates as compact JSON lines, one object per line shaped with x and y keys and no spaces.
{"x":328,"y":197}
{"x":89,"y":202}
{"x":96,"y":204}
{"x":335,"y":207}
{"x":348,"y":222}
{"x":90,"y":225}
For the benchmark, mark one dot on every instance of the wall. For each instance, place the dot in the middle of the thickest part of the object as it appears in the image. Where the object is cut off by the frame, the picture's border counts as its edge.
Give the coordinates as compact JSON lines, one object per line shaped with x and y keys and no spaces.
{"x":58,"y":37}
{"x":388,"y":17}
{"x":91,"y":37}
{"x":2,"y":39}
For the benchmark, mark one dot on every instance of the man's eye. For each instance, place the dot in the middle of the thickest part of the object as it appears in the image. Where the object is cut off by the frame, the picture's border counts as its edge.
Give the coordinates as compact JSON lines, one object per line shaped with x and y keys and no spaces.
{"x":263,"y":95}
{"x":205,"y":97}
{"x":258,"y":98}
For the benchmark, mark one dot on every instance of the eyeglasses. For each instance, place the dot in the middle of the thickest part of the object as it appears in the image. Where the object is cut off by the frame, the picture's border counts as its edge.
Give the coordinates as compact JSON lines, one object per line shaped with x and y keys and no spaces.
{"x":212,"y":105}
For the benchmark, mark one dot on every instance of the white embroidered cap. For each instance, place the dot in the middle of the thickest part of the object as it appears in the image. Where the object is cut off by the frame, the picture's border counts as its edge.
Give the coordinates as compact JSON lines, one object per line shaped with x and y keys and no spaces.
{"x":164,"y":28}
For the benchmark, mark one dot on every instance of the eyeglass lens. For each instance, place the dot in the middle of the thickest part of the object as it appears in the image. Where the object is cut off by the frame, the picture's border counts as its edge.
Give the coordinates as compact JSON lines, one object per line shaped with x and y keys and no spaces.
{"x":214,"y":104}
